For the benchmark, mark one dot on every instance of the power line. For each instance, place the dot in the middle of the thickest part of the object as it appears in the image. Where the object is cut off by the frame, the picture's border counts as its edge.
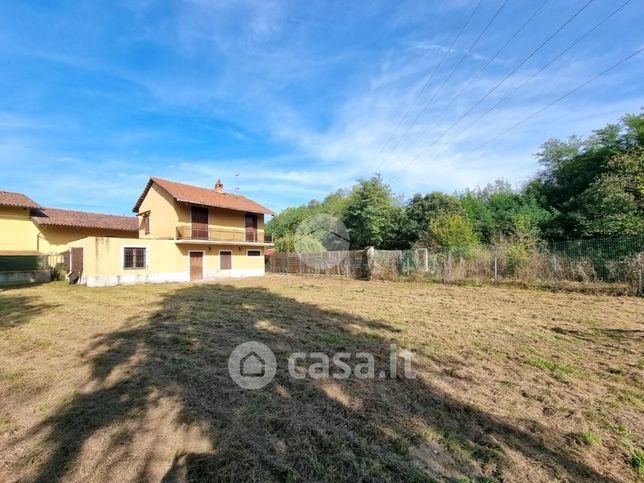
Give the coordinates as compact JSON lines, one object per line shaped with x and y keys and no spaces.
{"x":567,"y":94}
{"x":491,"y":91}
{"x":429,"y":79}
{"x":553,"y":60}
{"x":556,"y":101}
{"x":436,"y":67}
{"x":440,"y":88}
{"x":471,"y":79}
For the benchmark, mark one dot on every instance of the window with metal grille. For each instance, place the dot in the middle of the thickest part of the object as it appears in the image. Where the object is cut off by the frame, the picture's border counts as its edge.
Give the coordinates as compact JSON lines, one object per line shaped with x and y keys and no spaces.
{"x":254,"y":253}
{"x":134,"y":257}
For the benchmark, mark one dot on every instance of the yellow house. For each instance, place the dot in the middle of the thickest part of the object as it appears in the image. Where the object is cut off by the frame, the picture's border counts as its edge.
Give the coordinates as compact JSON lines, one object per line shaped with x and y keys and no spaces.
{"x":26,"y":228}
{"x":185,"y":233}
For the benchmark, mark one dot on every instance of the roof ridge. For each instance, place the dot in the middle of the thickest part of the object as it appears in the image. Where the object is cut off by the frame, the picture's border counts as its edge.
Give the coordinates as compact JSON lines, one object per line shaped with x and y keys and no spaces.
{"x":83,"y":211}
{"x":13,"y":192}
{"x":156,"y":178}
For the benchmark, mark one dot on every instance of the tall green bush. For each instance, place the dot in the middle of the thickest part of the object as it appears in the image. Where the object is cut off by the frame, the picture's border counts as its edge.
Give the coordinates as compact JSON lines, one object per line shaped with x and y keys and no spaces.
{"x":453,"y":231}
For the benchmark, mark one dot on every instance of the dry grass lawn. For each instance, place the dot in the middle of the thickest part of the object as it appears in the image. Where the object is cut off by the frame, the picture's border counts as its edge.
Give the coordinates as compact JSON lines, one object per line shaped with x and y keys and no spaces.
{"x":131,"y":383}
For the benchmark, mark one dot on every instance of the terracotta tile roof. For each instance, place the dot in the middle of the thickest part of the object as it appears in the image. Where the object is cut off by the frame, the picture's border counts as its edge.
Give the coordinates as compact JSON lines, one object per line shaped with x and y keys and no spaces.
{"x":7,"y":198}
{"x":84,"y":219}
{"x":203,"y":196}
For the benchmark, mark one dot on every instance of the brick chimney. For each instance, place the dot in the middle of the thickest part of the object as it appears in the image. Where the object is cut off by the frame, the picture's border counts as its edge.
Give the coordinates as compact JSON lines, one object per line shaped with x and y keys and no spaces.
{"x":219,"y":186}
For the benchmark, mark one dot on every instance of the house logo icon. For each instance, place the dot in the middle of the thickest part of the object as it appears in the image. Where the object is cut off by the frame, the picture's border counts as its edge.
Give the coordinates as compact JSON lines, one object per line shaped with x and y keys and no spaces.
{"x":252,"y":365}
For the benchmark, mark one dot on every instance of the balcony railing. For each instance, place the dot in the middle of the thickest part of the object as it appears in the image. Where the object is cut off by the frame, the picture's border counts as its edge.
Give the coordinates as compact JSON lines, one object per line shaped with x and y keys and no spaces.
{"x":222,"y":235}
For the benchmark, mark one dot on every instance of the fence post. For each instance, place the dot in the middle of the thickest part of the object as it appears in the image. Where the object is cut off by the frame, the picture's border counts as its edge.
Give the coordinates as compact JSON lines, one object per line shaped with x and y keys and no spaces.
{"x":370,"y":255}
{"x":639,"y":269}
{"x":426,"y":254}
{"x":555,"y":269}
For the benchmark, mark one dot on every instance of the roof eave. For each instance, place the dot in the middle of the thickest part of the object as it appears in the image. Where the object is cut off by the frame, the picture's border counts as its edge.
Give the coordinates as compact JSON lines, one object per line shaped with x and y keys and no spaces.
{"x":266,"y":211}
{"x":30,"y":207}
{"x":143,"y":195}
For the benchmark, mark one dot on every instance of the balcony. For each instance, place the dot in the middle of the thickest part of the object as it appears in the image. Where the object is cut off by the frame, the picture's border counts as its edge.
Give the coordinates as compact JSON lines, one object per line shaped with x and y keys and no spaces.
{"x":222,"y":236}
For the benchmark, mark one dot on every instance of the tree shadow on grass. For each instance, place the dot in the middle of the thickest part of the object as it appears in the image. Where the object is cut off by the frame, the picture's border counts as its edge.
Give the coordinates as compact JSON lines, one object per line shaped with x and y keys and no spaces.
{"x":310,"y":430}
{"x":17,"y":310}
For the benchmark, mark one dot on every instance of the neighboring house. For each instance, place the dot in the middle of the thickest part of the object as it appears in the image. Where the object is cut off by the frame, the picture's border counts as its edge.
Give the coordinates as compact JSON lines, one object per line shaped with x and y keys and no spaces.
{"x":26,"y":228}
{"x":185,"y":233}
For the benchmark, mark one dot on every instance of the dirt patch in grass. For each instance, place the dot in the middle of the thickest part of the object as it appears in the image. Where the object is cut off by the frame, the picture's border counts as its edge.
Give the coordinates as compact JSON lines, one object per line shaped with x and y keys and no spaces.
{"x":130,"y":383}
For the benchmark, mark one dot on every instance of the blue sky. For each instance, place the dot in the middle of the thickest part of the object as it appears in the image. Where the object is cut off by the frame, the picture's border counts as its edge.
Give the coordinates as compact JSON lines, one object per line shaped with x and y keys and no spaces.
{"x":290,"y":100}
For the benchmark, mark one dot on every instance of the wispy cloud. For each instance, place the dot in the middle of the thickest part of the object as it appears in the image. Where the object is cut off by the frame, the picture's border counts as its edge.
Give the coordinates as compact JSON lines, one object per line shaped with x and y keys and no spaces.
{"x":298,"y":101}
{"x":429,"y":45}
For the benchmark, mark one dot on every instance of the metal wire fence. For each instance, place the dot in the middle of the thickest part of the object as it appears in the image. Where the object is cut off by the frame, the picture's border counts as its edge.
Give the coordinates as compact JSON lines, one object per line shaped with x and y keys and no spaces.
{"x":587,"y":263}
{"x":601,"y":254}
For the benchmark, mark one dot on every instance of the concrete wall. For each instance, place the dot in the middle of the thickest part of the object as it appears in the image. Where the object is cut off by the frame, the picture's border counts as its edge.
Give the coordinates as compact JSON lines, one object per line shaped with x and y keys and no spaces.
{"x":22,"y":277}
{"x":166,"y":261}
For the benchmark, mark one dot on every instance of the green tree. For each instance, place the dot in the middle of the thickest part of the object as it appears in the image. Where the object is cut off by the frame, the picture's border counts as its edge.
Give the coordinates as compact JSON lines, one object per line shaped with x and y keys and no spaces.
{"x":572,"y":167}
{"x":372,"y":215}
{"x":335,"y":204}
{"x":613,"y":204}
{"x":287,"y":221}
{"x":309,"y":244}
{"x":285,"y":243}
{"x":498,"y":211}
{"x":420,"y":210}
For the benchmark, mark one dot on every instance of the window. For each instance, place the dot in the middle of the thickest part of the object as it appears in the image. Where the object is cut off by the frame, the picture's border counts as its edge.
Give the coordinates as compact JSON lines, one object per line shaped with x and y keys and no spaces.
{"x":134,"y":257}
{"x":254,"y":253}
{"x":146,"y":223}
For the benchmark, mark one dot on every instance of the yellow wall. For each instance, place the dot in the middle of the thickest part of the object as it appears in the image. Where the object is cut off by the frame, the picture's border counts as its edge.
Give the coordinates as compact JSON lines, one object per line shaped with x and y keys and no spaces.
{"x":221,"y":218}
{"x":17,"y":231}
{"x":55,"y":239}
{"x":240,"y":260}
{"x":19,"y":234}
{"x":166,"y":215}
{"x":103,"y":257}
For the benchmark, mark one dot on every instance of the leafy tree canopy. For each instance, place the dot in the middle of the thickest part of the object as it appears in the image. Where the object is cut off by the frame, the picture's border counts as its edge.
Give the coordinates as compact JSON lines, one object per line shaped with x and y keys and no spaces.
{"x":373,"y":215}
{"x":571,"y":167}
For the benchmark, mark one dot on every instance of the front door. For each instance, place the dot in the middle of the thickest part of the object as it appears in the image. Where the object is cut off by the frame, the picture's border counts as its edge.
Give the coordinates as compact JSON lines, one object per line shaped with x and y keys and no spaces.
{"x":251,"y":227}
{"x":225,"y":260}
{"x":77,"y":260}
{"x":199,"y":223}
{"x":196,"y":265}
{"x":76,"y":265}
